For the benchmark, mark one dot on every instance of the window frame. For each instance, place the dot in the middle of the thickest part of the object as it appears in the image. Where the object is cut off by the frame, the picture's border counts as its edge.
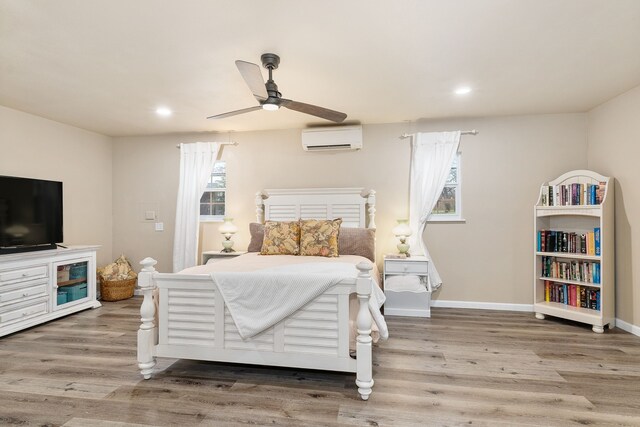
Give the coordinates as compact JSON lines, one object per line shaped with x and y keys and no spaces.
{"x":457,"y":217}
{"x":216,"y":218}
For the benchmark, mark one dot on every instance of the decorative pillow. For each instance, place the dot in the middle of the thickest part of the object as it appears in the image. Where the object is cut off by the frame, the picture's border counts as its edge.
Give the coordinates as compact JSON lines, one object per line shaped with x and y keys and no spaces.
{"x":358,"y":241}
{"x":319,"y":237}
{"x":257,"y":236}
{"x":281,"y":238}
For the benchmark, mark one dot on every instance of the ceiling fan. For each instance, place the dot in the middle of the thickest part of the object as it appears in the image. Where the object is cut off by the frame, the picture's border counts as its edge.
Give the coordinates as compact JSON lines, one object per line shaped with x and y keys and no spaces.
{"x":267,"y":93}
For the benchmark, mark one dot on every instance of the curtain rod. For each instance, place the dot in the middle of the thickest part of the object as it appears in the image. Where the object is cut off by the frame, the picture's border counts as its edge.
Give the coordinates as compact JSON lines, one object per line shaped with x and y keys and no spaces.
{"x":464,"y":132}
{"x":221,"y":143}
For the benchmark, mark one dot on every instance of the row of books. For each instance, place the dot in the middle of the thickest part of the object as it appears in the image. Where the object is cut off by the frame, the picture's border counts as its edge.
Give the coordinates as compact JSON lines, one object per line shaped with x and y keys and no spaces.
{"x":562,"y":241}
{"x":587,"y":272}
{"x":572,"y":194}
{"x":573,"y":295}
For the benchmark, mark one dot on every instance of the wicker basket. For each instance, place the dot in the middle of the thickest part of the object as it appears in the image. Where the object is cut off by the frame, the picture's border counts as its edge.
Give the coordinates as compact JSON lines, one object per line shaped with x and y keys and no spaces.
{"x":117,"y":290}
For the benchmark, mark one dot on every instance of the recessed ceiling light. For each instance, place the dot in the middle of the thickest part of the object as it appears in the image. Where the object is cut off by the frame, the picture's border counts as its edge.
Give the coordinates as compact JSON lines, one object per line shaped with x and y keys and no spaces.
{"x":163,"y":111}
{"x":462,"y":90}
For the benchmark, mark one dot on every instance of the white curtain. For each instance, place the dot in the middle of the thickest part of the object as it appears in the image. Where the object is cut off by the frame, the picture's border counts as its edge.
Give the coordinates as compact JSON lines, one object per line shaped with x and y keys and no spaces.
{"x":431,"y":157}
{"x":196,"y":165}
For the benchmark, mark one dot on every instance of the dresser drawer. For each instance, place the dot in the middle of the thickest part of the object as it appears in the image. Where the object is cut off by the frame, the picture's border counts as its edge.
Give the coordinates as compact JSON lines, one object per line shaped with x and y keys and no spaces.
{"x":30,"y":292}
{"x":406,"y":267}
{"x":23,"y":274}
{"x":24,"y":312}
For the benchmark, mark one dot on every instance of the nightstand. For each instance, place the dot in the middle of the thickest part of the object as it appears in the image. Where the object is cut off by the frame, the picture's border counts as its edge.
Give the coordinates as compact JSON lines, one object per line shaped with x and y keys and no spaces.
{"x":219,"y":256}
{"x":405,"y":287}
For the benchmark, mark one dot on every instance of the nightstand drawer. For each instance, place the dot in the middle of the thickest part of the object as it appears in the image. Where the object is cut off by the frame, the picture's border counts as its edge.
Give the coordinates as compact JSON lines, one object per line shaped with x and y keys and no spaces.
{"x":406,"y":267}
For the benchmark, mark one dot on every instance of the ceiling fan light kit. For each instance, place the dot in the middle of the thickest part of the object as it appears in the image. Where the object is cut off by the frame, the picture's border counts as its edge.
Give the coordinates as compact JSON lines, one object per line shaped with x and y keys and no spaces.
{"x":268,"y":96}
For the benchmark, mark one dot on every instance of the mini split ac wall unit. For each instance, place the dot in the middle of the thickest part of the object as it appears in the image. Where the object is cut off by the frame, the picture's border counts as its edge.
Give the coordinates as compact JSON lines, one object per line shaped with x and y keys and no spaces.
{"x":332,"y":138}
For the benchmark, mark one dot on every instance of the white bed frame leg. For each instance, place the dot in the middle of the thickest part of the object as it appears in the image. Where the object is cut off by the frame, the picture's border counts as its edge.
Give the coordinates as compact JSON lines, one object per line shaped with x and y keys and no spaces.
{"x":147,"y":332}
{"x":364,"y":362}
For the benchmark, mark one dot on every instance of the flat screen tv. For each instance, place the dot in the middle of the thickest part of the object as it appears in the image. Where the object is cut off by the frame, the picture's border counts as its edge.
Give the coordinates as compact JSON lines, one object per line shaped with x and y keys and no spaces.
{"x":30,"y":214}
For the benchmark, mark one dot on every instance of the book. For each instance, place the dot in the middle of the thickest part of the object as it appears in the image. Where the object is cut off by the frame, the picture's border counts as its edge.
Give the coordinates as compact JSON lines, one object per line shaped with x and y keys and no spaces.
{"x":547,"y":287}
{"x":596,"y":233}
{"x":600,"y":191}
{"x":574,"y":194}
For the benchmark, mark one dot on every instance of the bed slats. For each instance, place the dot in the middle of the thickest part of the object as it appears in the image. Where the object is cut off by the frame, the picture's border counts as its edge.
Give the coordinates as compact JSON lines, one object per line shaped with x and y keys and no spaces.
{"x":191,"y":321}
{"x":191,"y":317}
{"x":291,"y":204}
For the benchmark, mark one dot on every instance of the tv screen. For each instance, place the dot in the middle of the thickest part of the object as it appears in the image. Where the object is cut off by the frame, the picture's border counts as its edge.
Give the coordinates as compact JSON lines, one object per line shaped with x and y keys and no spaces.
{"x":30,"y":214}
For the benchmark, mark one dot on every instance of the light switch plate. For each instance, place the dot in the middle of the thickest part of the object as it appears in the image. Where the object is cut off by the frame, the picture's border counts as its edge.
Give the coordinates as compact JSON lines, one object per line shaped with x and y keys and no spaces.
{"x":159,"y":226}
{"x":150,"y":215}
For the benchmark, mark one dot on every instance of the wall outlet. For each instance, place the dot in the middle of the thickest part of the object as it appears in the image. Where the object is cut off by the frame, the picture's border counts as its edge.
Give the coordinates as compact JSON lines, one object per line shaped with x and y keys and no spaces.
{"x":150,"y":215}
{"x":159,"y":226}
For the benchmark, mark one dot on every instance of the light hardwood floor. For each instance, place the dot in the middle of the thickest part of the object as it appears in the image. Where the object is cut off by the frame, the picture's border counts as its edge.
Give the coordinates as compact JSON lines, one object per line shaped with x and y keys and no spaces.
{"x":471,"y":367}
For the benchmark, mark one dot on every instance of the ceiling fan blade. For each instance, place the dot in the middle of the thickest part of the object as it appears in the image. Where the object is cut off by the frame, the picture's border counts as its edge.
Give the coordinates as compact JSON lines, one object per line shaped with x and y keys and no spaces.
{"x":253,"y":77}
{"x":233,"y":113}
{"x":314,"y":110}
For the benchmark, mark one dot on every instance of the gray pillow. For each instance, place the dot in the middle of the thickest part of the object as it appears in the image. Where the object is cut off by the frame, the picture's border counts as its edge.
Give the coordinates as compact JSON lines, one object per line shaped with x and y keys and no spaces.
{"x":257,"y":236}
{"x":357,"y":241}
{"x":351,"y":241}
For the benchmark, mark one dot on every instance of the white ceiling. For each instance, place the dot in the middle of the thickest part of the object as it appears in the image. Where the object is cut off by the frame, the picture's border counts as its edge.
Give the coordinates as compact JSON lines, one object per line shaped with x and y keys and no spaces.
{"x":105,"y":65}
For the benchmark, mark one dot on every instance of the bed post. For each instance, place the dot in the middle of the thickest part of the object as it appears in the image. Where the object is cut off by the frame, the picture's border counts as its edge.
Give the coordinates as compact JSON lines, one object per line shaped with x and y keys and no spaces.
{"x":364,"y":362}
{"x":147,"y":332}
{"x":259,"y":207}
{"x":371,"y":201}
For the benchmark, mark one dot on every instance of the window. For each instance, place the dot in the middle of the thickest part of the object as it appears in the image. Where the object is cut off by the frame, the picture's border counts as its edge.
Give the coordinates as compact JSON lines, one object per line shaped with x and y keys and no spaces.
{"x":212,"y":202}
{"x":449,"y":205}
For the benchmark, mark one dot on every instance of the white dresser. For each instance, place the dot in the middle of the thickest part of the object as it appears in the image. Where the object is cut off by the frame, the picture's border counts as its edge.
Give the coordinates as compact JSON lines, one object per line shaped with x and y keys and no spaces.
{"x":39,"y":286}
{"x":407,"y":301}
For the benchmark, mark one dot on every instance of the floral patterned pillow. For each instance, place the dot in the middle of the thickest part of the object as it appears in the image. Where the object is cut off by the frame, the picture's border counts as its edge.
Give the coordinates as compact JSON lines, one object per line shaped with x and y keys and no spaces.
{"x":319,"y":237}
{"x":281,"y":238}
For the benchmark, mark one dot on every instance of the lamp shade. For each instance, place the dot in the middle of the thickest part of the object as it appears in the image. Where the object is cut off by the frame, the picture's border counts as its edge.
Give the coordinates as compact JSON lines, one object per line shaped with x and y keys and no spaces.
{"x":402,"y":229}
{"x":228,"y":227}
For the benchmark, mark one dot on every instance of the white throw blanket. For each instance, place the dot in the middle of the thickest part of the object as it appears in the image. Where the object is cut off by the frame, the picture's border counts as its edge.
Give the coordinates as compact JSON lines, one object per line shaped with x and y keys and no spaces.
{"x":258,"y":300}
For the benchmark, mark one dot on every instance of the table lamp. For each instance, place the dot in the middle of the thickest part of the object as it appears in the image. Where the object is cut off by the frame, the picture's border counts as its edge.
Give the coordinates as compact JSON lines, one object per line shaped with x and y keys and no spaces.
{"x":402,"y":231}
{"x":228,"y":229}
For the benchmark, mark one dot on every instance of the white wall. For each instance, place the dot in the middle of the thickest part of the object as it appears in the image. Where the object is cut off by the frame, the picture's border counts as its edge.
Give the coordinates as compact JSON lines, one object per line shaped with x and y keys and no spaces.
{"x":614,"y":150}
{"x":488,"y":258}
{"x":34,"y":147}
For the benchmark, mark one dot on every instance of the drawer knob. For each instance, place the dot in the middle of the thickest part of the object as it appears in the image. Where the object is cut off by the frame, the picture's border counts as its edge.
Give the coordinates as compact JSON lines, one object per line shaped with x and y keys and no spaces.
{"x":25,"y":294}
{"x":25,"y":274}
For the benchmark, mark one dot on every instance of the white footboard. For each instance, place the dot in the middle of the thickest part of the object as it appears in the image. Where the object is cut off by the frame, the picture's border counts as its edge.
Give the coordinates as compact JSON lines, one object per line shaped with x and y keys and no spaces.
{"x":194,"y":323}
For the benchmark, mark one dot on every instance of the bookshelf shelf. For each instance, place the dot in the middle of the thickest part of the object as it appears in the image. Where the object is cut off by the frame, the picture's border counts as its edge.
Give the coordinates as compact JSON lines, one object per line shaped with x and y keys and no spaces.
{"x":569,"y":282}
{"x":588,"y":210}
{"x":575,"y":212}
{"x":569,"y":255}
{"x":561,"y":310}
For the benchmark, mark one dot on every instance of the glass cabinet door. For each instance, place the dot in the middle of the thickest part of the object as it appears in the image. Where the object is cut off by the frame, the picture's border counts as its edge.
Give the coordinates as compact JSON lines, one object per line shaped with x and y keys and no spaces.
{"x":72,"y":283}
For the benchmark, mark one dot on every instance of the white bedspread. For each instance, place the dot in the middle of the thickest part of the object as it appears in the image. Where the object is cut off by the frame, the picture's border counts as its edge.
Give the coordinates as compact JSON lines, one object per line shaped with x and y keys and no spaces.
{"x":259,"y":299}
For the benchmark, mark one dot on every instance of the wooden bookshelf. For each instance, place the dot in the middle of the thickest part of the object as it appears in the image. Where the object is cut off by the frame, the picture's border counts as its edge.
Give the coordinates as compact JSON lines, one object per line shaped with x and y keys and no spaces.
{"x":578,"y":202}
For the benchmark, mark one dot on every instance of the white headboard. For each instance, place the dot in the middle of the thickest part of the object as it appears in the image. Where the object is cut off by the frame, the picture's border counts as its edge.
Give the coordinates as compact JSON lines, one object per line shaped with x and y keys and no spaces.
{"x":355,"y":206}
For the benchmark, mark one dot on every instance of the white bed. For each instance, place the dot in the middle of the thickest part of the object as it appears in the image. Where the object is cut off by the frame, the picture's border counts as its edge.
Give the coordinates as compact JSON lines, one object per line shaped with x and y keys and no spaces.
{"x":194,"y":321}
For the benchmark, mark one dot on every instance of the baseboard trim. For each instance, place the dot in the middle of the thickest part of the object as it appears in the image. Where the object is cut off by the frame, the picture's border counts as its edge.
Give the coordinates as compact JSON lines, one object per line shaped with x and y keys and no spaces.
{"x":628,"y":327}
{"x":482,"y":305}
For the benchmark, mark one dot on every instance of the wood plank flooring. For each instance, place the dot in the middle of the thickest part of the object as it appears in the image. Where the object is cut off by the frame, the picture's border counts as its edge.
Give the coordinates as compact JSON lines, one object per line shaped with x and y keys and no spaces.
{"x":471,"y":367}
